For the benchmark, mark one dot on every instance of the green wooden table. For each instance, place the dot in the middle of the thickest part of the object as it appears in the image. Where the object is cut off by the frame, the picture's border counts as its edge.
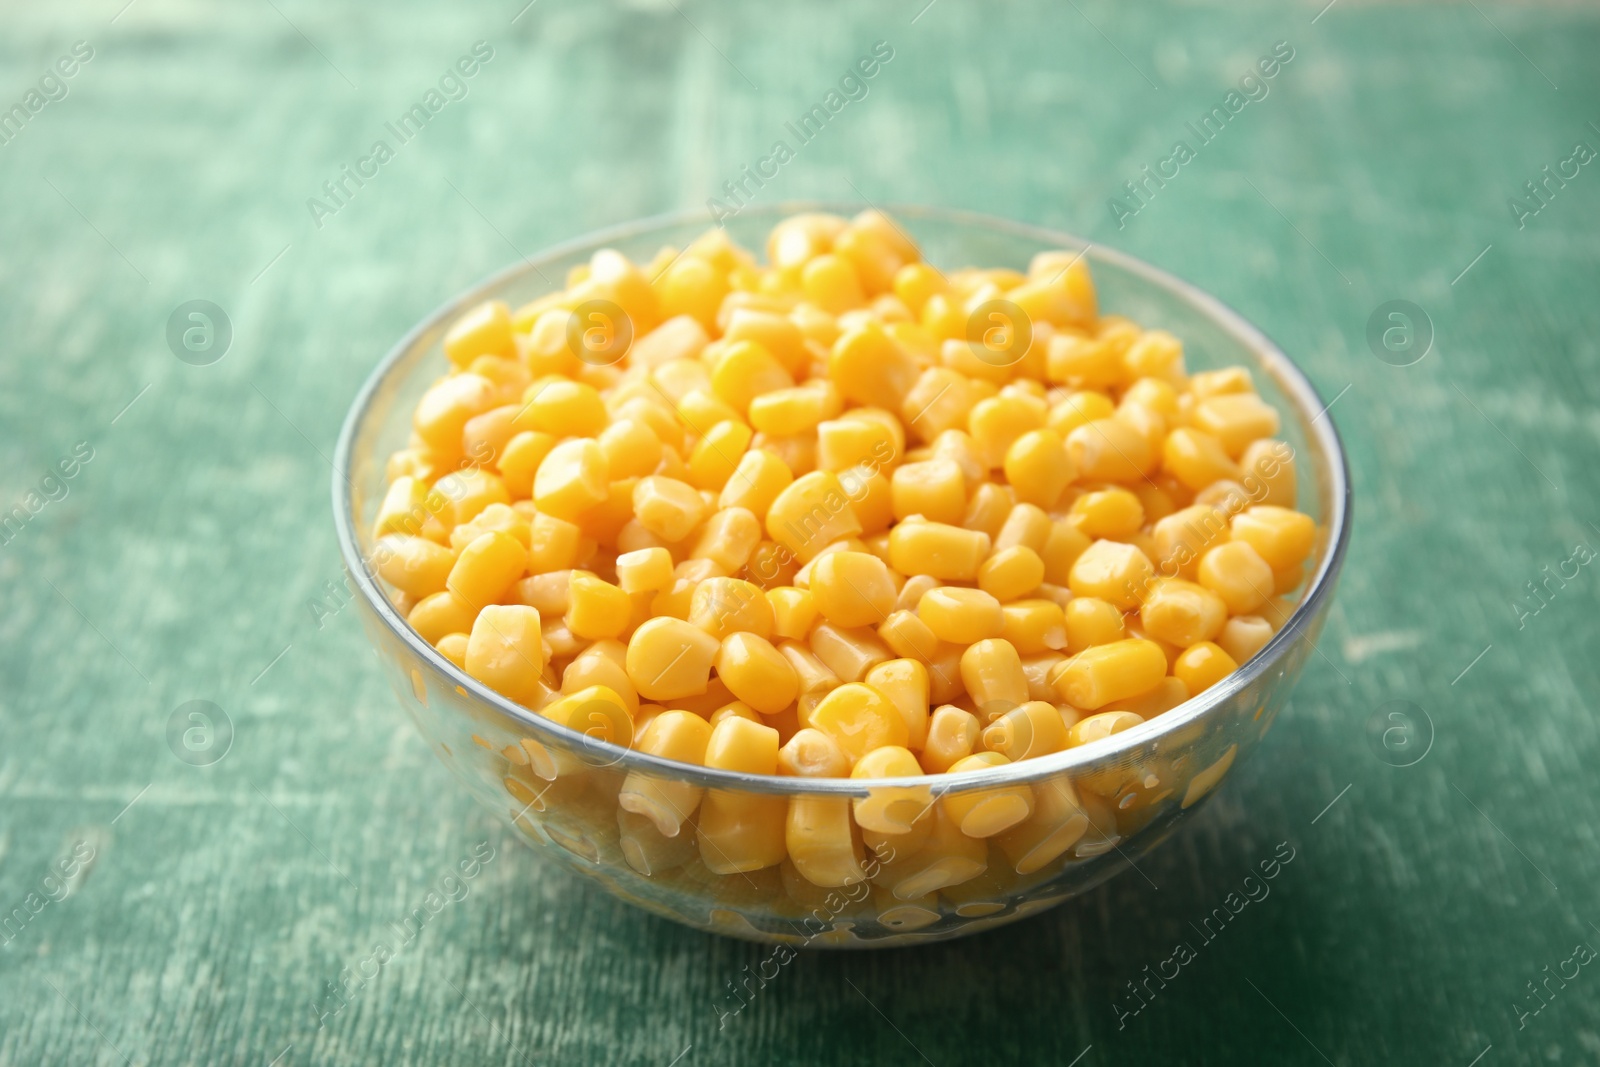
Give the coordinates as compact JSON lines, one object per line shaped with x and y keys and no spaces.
{"x":208,"y":903}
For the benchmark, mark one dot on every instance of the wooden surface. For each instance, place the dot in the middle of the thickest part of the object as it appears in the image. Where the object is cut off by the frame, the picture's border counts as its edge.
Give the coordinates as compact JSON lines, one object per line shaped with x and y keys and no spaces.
{"x":183,"y":559}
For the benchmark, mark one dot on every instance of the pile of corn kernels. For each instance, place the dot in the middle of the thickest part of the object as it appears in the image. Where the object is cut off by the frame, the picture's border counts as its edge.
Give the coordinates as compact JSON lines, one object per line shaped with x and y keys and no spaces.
{"x":840,"y":515}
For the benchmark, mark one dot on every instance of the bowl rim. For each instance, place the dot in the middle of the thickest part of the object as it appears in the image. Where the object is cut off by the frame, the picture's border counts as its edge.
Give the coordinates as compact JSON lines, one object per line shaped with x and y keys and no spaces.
{"x":1287,"y":374}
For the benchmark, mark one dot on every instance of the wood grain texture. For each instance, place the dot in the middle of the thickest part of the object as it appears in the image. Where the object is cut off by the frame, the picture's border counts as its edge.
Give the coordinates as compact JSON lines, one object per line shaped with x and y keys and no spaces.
{"x":181,"y":561}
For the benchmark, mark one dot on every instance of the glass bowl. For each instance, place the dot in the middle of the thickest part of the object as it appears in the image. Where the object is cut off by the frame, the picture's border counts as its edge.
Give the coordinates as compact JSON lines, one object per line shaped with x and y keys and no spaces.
{"x":1097,"y":808}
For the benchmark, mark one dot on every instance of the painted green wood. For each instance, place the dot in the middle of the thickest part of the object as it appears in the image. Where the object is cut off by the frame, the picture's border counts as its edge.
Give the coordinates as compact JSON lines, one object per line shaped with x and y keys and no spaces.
{"x":180,"y":562}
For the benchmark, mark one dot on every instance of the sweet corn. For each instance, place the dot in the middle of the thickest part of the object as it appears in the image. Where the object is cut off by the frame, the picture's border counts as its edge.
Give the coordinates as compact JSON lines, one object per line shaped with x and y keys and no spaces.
{"x":991,"y":671}
{"x":822,"y":841}
{"x":486,"y":329}
{"x":645,"y":570}
{"x":1182,"y":613}
{"x":948,"y":857}
{"x":1112,"y":514}
{"x":952,"y":735}
{"x":859,"y":719}
{"x":739,"y":832}
{"x":852,"y":589}
{"x":961,"y":616}
{"x":1242,"y":636}
{"x":596,"y":609}
{"x":1236,"y":420}
{"x":1091,"y":621}
{"x":439,"y":614}
{"x":505,"y":651}
{"x":1011,"y":573}
{"x":986,"y":812}
{"x":487,"y":568}
{"x":1093,"y":728}
{"x":723,"y":606}
{"x":811,"y":753}
{"x":1098,"y":675}
{"x":1196,"y":458}
{"x":1202,"y":666}
{"x":674,"y":735}
{"x":571,"y":479}
{"x":669,"y":658}
{"x":757,"y":673}
{"x":1039,"y":466}
{"x":1282,"y":538}
{"x":1236,"y":572}
{"x":1033,"y":728}
{"x":1110,"y":450}
{"x":1117,"y":573}
{"x":1034,"y":626}
{"x":885,"y":810}
{"x":811,"y":513}
{"x":1057,"y":823}
{"x":908,"y":636}
{"x":904,"y":682}
{"x":945,"y":552}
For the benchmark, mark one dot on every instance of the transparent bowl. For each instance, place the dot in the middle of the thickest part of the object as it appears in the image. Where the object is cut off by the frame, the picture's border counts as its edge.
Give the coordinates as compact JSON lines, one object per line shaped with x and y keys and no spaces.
{"x":1098,"y":807}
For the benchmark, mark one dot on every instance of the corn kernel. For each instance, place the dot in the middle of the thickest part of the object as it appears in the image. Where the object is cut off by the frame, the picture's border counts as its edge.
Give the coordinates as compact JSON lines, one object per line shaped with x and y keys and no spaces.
{"x":852,"y":589}
{"x":414,"y":565}
{"x":904,"y":682}
{"x":646,"y":570}
{"x":961,"y":616}
{"x":486,"y":329}
{"x":1163,"y":698}
{"x":1110,"y":450}
{"x":1034,"y":626}
{"x":571,"y":479}
{"x":941,"y":551}
{"x":565,"y":408}
{"x":890,"y":810}
{"x":952,"y":735}
{"x":1202,"y":666}
{"x":717,"y":456}
{"x":947,"y":858}
{"x":1117,"y":573}
{"x":487,"y":568}
{"x":1283,"y":538}
{"x":831,"y":282}
{"x":1091,"y":621}
{"x":1033,"y":728}
{"x":859,"y":719}
{"x":810,"y":514}
{"x":723,"y":606}
{"x":505,"y":652}
{"x":520,"y":461}
{"x":453,"y":647}
{"x":1011,"y":573}
{"x":1093,"y":728}
{"x":1236,"y":420}
{"x":728,"y":539}
{"x":439,"y":614}
{"x":1057,"y":823}
{"x":596,"y":609}
{"x":1182,"y":613}
{"x":757,"y":673}
{"x":740,"y":832}
{"x":1196,"y":458}
{"x":867,"y":366}
{"x":669,"y":658}
{"x":1039,"y":466}
{"x":1242,"y":636}
{"x":795,"y":410}
{"x":1114,"y":514}
{"x":442,"y":413}
{"x":1099,"y":675}
{"x":986,"y":812}
{"x":821,"y":838}
{"x":991,"y":671}
{"x":1236,"y":572}
{"x":811,"y":753}
{"x":667,"y":803}
{"x":1269,"y":477}
{"x":669,"y":508}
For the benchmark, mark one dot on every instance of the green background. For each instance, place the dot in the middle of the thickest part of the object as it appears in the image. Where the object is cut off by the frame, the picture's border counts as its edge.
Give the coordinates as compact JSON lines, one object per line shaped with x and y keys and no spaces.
{"x":181,"y":563}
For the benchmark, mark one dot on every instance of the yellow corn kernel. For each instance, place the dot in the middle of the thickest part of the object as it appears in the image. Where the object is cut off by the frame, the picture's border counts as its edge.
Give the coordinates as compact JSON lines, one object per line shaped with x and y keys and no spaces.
{"x":1058,"y":822}
{"x":669,"y":658}
{"x":796,"y":410}
{"x":869,"y":493}
{"x":934,"y":489}
{"x":554,"y":544}
{"x":547,"y":592}
{"x":1034,"y":626}
{"x":668,"y":508}
{"x":996,"y":423}
{"x":757,"y":673}
{"x":404,"y":507}
{"x":1242,"y":636}
{"x":1269,"y":477}
{"x":908,"y":637}
{"x":486,"y":329}
{"x":1091,"y":621}
{"x":986,"y":812}
{"x":1114,"y":572}
{"x":778,"y":335}
{"x":946,"y":858}
{"x":1196,"y":458}
{"x":914,"y":283}
{"x":810,"y":514}
{"x":736,"y":710}
{"x":1203,"y":665}
{"x":467,"y":492}
{"x":679,"y":337}
{"x":1181,"y":612}
{"x":904,"y":682}
{"x":798,"y":239}
{"x":831,"y":282}
{"x":1163,"y":698}
{"x":414,"y":565}
{"x":674,"y":735}
{"x":596,"y":609}
{"x":602,"y":663}
{"x":1103,"y":673}
{"x":505,"y":651}
{"x":1040,"y":671}
{"x":500,"y":517}
{"x":885,"y":810}
{"x":717,"y":456}
{"x":1078,"y":409}
{"x":1236,"y":572}
{"x":939,"y":400}
{"x":723,"y":606}
{"x":852,"y":588}
{"x":756,"y":482}
{"x":520,"y":461}
{"x":961,"y":616}
{"x":793,"y":612}
{"x":487,"y":568}
{"x":1236,"y":419}
{"x":564,"y":408}
{"x":1110,"y":450}
{"x":1092,"y":728}
{"x":1033,"y":728}
{"x":811,"y":753}
{"x":692,"y":287}
{"x":631,"y":448}
{"x":572,"y":478}
{"x":1183,"y":538}
{"x":746,"y":370}
{"x":439,"y":614}
{"x":859,"y":719}
{"x":952,"y":735}
{"x":442,"y":413}
{"x":453,"y":647}
{"x":597,"y":712}
{"x":821,"y":837}
{"x":991,"y":671}
{"x":848,"y":653}
{"x":727,"y":539}
{"x":848,"y":441}
{"x":939,"y":550}
{"x":1011,"y":573}
{"x":1086,"y":362}
{"x":869,"y":367}
{"x":1114,"y":514}
{"x":646,"y":850}
{"x":1038,"y":467}
{"x":740,"y":832}
{"x":645,"y":570}
{"x":1282,"y":537}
